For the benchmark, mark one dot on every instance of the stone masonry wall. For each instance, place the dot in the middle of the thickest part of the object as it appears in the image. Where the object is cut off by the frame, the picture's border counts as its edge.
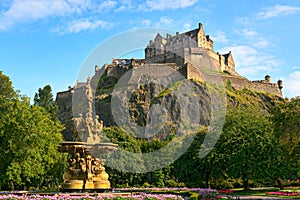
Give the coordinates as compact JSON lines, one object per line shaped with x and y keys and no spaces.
{"x":240,"y":83}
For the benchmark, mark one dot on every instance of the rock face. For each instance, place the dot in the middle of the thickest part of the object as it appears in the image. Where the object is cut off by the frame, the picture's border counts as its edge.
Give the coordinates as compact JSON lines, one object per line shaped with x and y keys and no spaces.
{"x":144,"y":104}
{"x":154,"y":101}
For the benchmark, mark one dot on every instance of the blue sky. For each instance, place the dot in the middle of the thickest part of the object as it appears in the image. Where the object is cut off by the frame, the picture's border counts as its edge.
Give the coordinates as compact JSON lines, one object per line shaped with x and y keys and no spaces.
{"x":47,"y":41}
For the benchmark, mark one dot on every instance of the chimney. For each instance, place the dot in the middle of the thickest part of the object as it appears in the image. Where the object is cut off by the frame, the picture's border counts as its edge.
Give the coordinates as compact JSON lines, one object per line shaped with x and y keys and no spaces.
{"x":200,"y":25}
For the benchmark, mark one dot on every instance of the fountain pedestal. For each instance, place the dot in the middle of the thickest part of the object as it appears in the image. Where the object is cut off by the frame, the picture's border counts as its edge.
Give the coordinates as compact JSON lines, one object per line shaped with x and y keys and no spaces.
{"x":85,"y":172}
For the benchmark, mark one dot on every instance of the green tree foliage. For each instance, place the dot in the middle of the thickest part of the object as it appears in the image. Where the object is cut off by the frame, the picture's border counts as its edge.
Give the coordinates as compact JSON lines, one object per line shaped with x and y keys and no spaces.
{"x":44,"y":98}
{"x":28,"y":142}
{"x":128,"y":145}
{"x":286,"y":120}
{"x":6,"y":93}
{"x":244,"y":148}
{"x":28,"y":145}
{"x":189,"y":167}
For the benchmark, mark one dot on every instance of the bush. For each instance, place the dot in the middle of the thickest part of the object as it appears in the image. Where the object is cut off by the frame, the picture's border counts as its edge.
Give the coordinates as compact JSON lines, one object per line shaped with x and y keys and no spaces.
{"x":194,"y":196}
{"x":171,"y":183}
{"x":223,"y":184}
{"x":146,"y":184}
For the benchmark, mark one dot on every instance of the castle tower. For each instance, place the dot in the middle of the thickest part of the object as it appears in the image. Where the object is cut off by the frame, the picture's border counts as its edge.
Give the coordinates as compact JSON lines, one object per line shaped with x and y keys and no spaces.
{"x":279,"y":82}
{"x":172,"y":49}
{"x":268,"y":78}
{"x":203,"y":40}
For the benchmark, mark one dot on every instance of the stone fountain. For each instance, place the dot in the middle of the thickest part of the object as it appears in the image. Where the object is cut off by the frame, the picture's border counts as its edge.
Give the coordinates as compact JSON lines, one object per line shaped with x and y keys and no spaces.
{"x":86,"y":171}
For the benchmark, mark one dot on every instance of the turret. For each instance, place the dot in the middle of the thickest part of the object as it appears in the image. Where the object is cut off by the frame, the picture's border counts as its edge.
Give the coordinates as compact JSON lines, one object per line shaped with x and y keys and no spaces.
{"x":279,"y":82}
{"x":268,"y":78}
{"x":96,"y":68}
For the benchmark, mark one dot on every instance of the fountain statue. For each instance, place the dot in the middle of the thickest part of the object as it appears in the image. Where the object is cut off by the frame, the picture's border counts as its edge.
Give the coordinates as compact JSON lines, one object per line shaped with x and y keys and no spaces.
{"x":85,"y":171}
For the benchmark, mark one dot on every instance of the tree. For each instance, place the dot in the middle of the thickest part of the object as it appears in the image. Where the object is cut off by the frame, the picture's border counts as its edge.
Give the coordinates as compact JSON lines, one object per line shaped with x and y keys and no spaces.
{"x":244,"y":148}
{"x":286,"y":120}
{"x":6,"y":93}
{"x":286,"y":117}
{"x":29,"y":139}
{"x":44,"y":98}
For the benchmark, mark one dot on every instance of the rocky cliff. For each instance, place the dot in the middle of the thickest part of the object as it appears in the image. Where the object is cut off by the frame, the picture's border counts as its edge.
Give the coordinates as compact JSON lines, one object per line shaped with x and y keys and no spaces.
{"x":149,"y":108}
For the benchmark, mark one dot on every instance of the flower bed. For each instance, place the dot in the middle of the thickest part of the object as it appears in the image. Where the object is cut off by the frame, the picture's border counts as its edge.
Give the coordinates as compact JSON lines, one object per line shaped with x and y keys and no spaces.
{"x":226,"y":191}
{"x":166,"y":189}
{"x":140,"y":196}
{"x":196,"y":193}
{"x":135,"y":194}
{"x":281,"y":193}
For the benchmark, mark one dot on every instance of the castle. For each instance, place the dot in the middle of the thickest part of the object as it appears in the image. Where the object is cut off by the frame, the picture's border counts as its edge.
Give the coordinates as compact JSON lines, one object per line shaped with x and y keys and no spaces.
{"x":182,"y":52}
{"x":190,"y":53}
{"x":161,"y":49}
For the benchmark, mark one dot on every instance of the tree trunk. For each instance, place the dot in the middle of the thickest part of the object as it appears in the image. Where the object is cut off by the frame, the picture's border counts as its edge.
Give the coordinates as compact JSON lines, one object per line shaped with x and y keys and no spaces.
{"x":279,"y":183}
{"x":12,"y":186}
{"x":245,"y":182}
{"x":149,"y":175}
{"x":207,"y":175}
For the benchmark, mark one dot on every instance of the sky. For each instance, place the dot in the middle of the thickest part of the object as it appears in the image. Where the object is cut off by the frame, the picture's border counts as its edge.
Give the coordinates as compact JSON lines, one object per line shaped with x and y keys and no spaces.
{"x":49,"y":41}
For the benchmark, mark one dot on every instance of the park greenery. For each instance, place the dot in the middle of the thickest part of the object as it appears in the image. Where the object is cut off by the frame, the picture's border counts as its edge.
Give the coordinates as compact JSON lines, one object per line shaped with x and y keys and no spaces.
{"x":28,"y":136}
{"x":259,"y":146}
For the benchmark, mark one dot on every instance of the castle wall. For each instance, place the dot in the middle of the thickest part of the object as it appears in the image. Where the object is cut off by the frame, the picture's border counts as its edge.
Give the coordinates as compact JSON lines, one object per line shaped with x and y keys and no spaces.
{"x":117,"y":70}
{"x":240,"y":83}
{"x":168,"y":57}
{"x":193,"y":72}
{"x":194,"y":62}
{"x":218,"y":60}
{"x":271,"y":88}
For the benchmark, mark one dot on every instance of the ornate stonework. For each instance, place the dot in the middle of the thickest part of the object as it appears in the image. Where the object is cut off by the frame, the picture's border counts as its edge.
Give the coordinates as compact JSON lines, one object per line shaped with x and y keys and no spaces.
{"x":85,"y":171}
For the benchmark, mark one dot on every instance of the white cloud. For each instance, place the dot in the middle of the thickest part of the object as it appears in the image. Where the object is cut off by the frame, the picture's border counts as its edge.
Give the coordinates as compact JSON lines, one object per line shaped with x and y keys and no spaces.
{"x":249,"y":33}
{"x":165,"y":21}
{"x":261,"y":43}
{"x":292,"y":88}
{"x":186,"y":27}
{"x":28,"y":10}
{"x":125,"y":5}
{"x":166,"y":4}
{"x":107,"y":5}
{"x":250,"y":62}
{"x":82,"y":25}
{"x":146,"y":22}
{"x":219,"y":36}
{"x":278,"y":10}
{"x":245,"y":21}
{"x":254,"y":38}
